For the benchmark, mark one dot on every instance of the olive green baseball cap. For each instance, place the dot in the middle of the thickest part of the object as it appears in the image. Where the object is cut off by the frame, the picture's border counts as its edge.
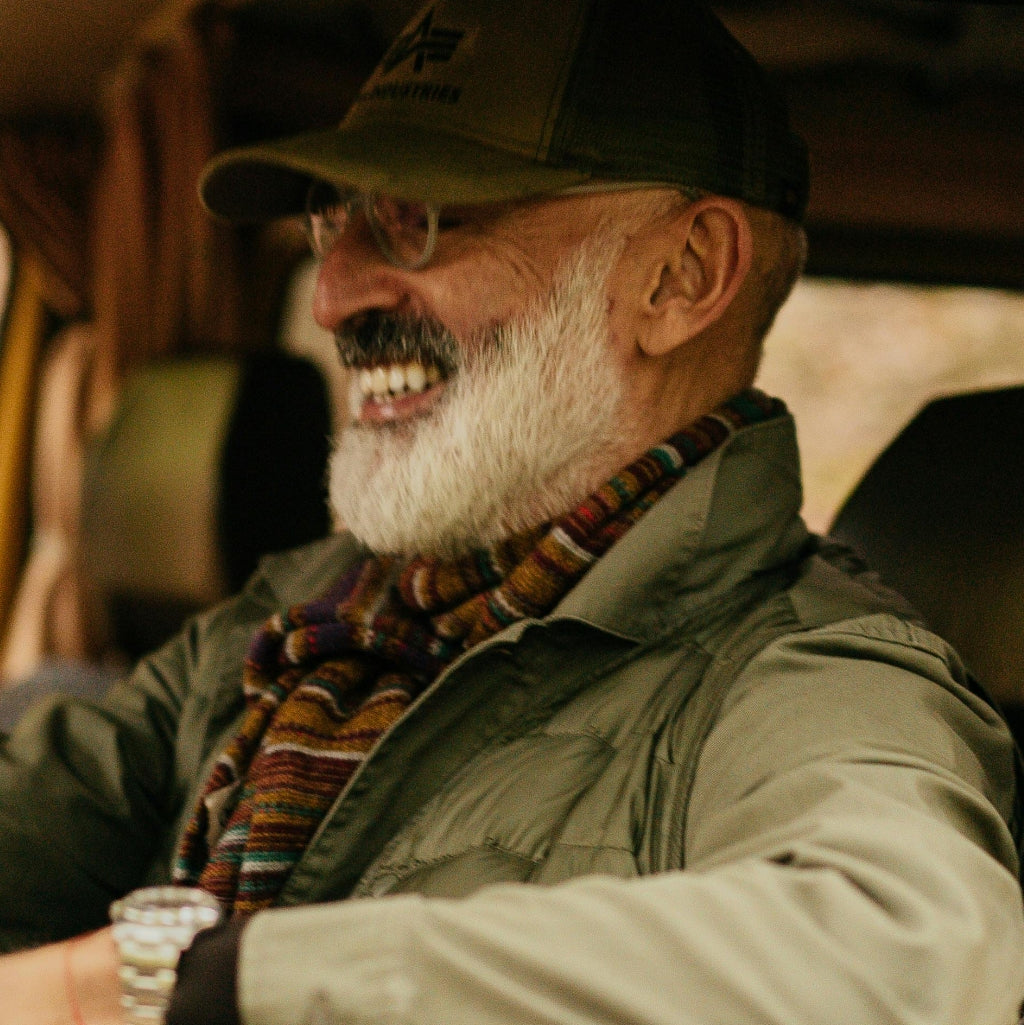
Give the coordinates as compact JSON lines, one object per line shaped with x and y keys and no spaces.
{"x":487,"y":100}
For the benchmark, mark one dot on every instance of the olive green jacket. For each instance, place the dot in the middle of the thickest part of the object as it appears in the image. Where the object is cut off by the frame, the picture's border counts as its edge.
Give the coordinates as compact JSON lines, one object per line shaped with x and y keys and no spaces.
{"x":747,"y":786}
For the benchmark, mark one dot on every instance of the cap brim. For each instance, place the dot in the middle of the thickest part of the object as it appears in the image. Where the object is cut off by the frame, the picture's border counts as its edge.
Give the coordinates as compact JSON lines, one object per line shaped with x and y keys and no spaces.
{"x":269,"y":180}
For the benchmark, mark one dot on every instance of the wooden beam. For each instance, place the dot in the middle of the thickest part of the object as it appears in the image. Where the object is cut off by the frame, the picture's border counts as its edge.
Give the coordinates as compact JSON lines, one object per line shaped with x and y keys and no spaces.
{"x":19,"y":366}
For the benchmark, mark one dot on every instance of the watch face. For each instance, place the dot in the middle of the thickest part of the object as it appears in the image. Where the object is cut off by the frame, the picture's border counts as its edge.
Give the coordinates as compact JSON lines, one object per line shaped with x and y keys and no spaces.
{"x":167,"y":906}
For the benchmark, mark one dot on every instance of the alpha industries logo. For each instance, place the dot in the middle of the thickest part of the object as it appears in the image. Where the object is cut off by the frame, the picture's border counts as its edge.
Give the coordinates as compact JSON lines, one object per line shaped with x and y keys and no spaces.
{"x":425,"y":42}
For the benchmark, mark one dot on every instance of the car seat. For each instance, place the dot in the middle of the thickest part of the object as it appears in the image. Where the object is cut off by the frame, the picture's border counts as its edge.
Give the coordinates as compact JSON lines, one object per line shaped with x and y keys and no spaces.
{"x":207,"y":464}
{"x":940,"y":516}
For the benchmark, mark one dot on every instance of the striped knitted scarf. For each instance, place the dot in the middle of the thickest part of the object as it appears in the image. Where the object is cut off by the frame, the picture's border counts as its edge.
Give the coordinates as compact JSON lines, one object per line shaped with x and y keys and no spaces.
{"x":324,"y":681}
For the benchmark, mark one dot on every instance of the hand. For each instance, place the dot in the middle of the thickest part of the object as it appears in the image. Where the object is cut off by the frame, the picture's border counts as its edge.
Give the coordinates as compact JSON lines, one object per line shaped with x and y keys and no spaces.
{"x":70,"y":983}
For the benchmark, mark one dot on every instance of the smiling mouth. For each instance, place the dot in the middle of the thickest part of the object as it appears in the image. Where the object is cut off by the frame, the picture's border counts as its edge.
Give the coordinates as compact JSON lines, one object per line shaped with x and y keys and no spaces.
{"x":391,"y":380}
{"x":400,"y":365}
{"x":392,"y":393}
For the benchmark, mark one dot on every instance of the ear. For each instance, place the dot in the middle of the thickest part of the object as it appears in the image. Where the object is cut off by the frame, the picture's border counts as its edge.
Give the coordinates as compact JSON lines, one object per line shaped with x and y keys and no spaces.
{"x":705,"y":256}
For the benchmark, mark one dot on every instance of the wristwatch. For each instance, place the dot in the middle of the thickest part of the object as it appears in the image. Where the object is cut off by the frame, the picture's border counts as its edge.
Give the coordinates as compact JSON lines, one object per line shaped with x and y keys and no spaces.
{"x":152,"y":927}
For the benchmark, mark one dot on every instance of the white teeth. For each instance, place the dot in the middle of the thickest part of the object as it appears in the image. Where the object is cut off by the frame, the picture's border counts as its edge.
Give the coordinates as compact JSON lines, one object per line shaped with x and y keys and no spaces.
{"x":396,"y":379}
{"x":416,"y":377}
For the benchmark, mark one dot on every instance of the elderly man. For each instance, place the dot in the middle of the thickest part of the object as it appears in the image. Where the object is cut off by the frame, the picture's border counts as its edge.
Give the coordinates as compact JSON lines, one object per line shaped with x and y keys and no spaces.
{"x":574,"y":722}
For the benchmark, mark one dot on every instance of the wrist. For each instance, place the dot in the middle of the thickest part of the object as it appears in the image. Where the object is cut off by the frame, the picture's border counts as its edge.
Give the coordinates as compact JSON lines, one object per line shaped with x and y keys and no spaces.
{"x":30,"y":982}
{"x":51,"y":985}
{"x":90,"y":980}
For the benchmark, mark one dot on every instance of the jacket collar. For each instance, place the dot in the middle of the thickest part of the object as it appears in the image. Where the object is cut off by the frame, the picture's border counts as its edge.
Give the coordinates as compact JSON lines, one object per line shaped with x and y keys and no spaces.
{"x":732,"y":516}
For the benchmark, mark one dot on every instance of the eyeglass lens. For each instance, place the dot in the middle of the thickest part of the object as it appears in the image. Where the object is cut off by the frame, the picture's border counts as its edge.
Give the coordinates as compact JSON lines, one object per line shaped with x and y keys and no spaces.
{"x":405,"y":230}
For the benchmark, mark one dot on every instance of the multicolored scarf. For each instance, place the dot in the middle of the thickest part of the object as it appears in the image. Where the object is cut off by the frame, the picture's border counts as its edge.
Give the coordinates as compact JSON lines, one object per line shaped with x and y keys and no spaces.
{"x":326,"y":680}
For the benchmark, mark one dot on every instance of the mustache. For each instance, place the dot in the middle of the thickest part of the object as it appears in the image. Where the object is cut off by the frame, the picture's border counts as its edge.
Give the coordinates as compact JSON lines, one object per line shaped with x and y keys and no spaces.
{"x":379,"y":337}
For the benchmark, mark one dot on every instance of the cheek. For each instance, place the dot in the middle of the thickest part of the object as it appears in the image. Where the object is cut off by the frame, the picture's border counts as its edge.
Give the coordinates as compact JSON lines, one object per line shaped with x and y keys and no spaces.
{"x":622,"y":337}
{"x":488,"y":288}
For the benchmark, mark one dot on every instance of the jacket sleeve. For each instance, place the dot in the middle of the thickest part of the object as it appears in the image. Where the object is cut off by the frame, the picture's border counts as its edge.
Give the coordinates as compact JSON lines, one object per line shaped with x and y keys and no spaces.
{"x":848,"y":860}
{"x":90,"y":790}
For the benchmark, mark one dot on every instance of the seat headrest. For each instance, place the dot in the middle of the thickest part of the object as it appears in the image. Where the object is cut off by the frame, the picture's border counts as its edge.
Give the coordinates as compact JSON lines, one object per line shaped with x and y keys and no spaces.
{"x":940,"y":516}
{"x":208,"y":464}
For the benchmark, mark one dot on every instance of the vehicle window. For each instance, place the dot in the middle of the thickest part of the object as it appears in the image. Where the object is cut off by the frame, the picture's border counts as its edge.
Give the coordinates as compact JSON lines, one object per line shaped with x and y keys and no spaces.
{"x":856,"y":361}
{"x":6,"y":264}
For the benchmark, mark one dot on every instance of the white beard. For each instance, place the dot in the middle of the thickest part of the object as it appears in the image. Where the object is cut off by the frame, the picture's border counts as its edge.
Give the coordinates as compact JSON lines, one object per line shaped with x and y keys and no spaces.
{"x":523,"y":429}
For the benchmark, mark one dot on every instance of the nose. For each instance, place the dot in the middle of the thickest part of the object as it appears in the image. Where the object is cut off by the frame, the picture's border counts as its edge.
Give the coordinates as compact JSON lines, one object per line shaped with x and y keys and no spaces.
{"x":355,"y":278}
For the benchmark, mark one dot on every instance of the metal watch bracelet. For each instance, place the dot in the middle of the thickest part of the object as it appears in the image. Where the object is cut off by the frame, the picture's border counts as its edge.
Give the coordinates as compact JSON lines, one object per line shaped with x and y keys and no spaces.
{"x":152,"y":927}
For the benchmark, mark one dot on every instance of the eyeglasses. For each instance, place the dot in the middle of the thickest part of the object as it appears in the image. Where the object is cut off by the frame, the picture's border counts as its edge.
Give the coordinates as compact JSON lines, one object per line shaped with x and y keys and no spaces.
{"x":405,"y":230}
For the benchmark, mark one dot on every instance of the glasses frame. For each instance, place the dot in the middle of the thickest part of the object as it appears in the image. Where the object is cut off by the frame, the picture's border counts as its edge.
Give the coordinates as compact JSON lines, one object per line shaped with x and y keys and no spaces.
{"x":367,"y":204}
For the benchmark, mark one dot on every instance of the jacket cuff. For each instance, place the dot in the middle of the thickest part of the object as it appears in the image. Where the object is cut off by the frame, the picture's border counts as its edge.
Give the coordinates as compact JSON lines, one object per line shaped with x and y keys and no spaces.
{"x":206,"y":992}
